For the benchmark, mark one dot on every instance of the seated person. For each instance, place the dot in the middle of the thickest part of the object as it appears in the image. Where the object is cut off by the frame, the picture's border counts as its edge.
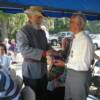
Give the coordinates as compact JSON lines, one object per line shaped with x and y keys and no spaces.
{"x":8,"y":87}
{"x":5,"y":60}
{"x":12,"y":89}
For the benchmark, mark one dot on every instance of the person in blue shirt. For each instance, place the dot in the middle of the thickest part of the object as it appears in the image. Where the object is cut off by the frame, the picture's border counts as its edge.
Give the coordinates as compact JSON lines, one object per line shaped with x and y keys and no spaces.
{"x":5,"y":60}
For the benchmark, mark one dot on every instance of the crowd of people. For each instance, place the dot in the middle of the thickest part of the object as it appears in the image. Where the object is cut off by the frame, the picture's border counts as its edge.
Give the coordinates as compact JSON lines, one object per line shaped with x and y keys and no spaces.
{"x":11,"y":47}
{"x":74,"y":60}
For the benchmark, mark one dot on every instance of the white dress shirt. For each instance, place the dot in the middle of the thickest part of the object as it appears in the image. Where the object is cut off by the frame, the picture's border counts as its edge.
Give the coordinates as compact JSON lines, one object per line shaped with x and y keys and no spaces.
{"x":82,"y":53}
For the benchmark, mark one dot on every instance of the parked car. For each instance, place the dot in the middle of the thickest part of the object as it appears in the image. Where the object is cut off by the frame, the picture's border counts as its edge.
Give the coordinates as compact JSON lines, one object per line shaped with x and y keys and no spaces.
{"x":96,"y":41}
{"x":53,"y":39}
{"x":62,"y":35}
{"x":95,"y":38}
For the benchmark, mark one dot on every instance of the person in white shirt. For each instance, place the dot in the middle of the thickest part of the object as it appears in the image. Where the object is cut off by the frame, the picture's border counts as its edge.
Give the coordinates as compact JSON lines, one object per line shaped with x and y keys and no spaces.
{"x":5,"y":60}
{"x":6,"y":42}
{"x":79,"y":61}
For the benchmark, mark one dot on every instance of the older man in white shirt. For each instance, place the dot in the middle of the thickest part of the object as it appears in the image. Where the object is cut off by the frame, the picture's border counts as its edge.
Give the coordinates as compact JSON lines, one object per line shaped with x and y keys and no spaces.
{"x":79,"y":62}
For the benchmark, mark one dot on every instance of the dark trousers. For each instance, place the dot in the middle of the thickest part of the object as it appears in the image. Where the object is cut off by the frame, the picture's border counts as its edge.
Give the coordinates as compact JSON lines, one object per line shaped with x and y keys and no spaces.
{"x":38,"y":85}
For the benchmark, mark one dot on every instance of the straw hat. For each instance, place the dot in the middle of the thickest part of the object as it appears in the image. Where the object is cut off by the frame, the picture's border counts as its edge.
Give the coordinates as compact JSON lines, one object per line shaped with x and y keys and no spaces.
{"x":34,"y":10}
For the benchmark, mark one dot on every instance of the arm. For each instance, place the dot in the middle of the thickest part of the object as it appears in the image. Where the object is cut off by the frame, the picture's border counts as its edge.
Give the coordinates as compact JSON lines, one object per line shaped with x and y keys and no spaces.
{"x":25,"y":49}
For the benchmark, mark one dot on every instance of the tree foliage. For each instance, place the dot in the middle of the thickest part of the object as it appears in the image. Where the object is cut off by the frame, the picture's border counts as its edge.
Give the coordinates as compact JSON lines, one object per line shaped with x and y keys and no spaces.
{"x":62,"y":24}
{"x":11,"y":23}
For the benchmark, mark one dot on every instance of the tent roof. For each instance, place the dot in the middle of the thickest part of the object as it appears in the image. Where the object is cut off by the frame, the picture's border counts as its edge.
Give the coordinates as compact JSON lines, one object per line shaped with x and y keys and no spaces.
{"x":55,"y":8}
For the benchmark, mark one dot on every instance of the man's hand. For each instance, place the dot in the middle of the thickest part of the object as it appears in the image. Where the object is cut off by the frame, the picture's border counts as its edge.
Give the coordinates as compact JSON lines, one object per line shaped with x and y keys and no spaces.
{"x":59,"y":63}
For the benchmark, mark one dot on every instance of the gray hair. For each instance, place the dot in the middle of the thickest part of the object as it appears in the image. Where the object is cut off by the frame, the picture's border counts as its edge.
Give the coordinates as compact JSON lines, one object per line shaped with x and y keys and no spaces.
{"x":82,"y":19}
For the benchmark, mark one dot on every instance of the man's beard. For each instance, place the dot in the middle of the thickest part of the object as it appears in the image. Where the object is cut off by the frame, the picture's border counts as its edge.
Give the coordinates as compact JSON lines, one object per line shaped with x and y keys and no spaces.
{"x":36,"y":26}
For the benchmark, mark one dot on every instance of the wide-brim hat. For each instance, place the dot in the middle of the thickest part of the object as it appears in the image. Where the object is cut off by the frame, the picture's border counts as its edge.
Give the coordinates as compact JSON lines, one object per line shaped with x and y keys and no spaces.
{"x":34,"y":10}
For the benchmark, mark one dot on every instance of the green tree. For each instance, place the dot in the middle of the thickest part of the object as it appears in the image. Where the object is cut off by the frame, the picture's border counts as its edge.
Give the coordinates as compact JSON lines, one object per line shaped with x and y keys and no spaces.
{"x":93,"y":26}
{"x":11,"y":23}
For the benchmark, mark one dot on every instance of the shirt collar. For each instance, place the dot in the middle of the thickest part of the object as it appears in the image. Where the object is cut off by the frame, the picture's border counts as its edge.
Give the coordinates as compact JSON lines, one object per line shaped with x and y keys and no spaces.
{"x":79,"y":34}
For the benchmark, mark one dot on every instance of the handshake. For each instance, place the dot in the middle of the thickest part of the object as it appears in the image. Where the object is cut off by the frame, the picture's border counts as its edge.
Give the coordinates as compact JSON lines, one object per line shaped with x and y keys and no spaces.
{"x":54,"y":58}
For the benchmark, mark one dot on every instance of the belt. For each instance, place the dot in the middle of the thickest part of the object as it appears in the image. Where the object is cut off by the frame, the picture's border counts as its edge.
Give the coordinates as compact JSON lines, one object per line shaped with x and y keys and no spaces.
{"x":77,"y":70}
{"x":34,"y":61}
